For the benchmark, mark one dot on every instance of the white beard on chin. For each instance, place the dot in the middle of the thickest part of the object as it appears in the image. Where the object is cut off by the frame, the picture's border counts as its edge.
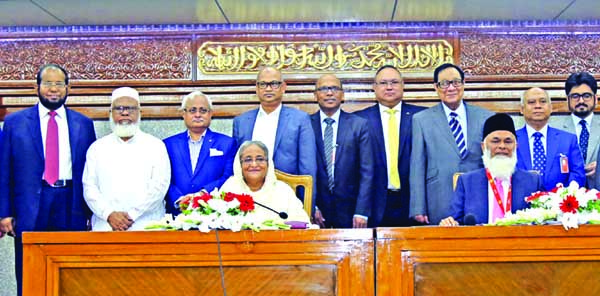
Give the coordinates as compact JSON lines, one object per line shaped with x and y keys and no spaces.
{"x":500,"y":166}
{"x":126,"y":130}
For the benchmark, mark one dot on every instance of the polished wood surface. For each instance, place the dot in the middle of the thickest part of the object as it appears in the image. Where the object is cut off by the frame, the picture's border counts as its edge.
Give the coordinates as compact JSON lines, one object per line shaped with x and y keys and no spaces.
{"x":486,"y":260}
{"x":295,"y":262}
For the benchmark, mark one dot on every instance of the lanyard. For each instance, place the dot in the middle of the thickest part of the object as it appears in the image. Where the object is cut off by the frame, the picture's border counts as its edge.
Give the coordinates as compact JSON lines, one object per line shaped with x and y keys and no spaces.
{"x":497,"y":195}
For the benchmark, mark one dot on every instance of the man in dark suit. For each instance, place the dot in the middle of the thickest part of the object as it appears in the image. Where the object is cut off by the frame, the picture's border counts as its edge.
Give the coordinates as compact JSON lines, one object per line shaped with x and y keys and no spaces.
{"x":41,"y":164}
{"x":390,"y":125}
{"x":285,"y":131}
{"x":446,"y":140}
{"x":345,"y":167}
{"x":488,"y":194}
{"x":552,"y":152}
{"x":200,"y":158}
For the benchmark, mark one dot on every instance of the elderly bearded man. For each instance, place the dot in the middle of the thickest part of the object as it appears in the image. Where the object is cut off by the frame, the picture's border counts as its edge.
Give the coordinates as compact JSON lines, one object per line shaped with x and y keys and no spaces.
{"x":127,"y":172}
{"x":487,"y":194}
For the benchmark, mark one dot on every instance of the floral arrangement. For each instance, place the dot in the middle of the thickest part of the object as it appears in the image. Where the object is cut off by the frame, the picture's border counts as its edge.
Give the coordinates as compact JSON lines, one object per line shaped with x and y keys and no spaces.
{"x":206,"y":211}
{"x":569,"y":206}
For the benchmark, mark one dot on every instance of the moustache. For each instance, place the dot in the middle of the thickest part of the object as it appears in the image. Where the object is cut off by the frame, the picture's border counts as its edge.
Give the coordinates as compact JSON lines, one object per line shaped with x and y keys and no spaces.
{"x":581,"y":105}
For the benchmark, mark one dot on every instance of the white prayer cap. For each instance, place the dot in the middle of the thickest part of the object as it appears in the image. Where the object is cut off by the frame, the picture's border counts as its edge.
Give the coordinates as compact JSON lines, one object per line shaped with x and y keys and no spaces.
{"x":125,"y":92}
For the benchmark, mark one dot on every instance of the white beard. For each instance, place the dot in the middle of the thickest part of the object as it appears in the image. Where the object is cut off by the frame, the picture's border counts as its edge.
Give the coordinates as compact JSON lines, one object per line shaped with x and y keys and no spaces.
{"x":500,"y":166}
{"x":127,"y":130}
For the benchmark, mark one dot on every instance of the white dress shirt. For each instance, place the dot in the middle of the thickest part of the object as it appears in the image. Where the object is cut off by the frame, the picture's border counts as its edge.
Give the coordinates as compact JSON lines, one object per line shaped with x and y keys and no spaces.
{"x":336,"y":118}
{"x":195,"y":147}
{"x":131,"y":176}
{"x":385,"y":117}
{"x":265,"y":128}
{"x":530,"y":132}
{"x":461,"y":111}
{"x":65,"y":171}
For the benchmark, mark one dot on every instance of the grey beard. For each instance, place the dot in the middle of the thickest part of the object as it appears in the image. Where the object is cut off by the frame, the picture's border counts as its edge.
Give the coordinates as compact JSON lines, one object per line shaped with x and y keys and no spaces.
{"x":500,"y":166}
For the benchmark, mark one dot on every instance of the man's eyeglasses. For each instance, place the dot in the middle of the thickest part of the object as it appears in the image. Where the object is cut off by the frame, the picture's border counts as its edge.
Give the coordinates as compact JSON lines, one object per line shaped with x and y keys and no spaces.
{"x":273,"y":84}
{"x":326,"y":89}
{"x":195,"y":110}
{"x":121,"y":109}
{"x":49,"y":84}
{"x":384,"y":83}
{"x":584,"y":96}
{"x":250,"y":160}
{"x":446,"y":83}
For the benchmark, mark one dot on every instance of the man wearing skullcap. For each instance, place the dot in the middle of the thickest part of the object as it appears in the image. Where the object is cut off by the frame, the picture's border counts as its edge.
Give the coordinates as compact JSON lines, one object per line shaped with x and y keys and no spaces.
{"x":41,"y":163}
{"x":127,"y":172}
{"x":487,"y":194}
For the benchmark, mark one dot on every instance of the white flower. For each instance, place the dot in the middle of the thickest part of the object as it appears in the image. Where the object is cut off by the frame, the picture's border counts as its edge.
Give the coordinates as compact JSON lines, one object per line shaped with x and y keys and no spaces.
{"x":569,"y":220}
{"x":218,"y":205}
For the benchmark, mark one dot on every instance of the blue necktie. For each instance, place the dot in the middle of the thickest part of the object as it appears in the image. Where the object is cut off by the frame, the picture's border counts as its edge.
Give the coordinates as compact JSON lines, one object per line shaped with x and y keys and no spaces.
{"x":457,"y":132}
{"x":328,"y":145}
{"x":584,"y":138}
{"x":539,"y":155}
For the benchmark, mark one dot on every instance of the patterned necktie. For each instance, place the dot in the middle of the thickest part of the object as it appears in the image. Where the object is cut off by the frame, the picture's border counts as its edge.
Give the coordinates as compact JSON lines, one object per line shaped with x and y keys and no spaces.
{"x":497,"y":211}
{"x":393,"y":147}
{"x":584,"y":138}
{"x":51,"y":164}
{"x":539,"y":155}
{"x":328,"y":143}
{"x":457,"y":132}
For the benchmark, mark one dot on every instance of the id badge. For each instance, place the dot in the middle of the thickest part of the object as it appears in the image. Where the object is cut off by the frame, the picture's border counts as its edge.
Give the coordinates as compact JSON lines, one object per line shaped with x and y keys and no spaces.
{"x":564,"y":164}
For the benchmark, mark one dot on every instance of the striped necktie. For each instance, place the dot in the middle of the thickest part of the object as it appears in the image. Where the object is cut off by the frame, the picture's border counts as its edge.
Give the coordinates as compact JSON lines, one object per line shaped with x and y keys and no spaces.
{"x":328,"y":147}
{"x":457,"y":132}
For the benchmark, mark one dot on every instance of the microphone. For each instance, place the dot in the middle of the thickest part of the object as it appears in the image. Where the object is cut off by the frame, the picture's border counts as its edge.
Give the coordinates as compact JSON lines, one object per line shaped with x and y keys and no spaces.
{"x":470,"y":220}
{"x":282,"y":215}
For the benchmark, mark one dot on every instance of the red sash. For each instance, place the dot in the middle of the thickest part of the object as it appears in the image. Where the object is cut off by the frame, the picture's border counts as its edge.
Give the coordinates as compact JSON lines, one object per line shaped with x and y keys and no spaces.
{"x":497,"y":195}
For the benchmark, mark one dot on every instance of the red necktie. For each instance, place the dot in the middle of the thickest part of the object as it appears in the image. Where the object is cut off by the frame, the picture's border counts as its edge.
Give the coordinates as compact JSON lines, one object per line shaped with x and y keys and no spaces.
{"x":51,"y":171}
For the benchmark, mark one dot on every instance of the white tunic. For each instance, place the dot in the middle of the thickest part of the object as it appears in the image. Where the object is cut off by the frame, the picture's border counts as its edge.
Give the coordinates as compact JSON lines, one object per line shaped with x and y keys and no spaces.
{"x":130,"y":176}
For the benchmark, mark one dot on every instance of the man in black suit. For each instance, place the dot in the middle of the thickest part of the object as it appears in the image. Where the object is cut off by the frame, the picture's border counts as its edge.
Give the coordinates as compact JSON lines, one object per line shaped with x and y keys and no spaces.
{"x":41,"y":164}
{"x":390,"y":126}
{"x":345,"y":167}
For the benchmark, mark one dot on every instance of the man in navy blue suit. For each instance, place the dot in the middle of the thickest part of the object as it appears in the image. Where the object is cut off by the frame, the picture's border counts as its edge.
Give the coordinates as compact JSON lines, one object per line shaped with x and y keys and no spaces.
{"x":390,"y":127}
{"x":345,"y":167}
{"x":552,"y":152}
{"x":285,"y":131}
{"x":200,"y":158}
{"x":487,"y":194}
{"x":41,"y":164}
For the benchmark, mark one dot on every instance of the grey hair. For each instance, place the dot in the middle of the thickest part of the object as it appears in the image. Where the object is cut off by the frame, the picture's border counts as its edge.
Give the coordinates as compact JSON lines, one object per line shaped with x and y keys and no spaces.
{"x":260,"y":145}
{"x":193,"y":95}
{"x":545,"y":92}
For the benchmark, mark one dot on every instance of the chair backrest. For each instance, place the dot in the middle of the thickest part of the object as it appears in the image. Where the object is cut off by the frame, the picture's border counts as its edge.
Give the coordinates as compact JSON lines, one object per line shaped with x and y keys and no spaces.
{"x":296,"y":181}
{"x":455,"y":179}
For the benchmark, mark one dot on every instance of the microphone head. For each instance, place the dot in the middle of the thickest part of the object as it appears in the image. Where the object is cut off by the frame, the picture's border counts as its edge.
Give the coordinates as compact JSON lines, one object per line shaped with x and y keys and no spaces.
{"x":283,"y":215}
{"x":470,"y":219}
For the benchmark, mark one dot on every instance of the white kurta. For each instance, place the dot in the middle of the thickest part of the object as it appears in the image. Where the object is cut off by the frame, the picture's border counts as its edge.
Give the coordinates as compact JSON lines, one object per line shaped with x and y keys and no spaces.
{"x":130,"y":176}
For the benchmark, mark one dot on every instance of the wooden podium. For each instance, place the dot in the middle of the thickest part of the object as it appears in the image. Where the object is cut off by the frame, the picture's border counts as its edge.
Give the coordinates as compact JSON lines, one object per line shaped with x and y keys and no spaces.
{"x":293,"y":262}
{"x":488,"y":260}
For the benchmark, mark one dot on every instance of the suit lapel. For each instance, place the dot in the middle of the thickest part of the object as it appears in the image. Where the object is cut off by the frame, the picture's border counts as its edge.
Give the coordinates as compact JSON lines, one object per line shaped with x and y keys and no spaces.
{"x":34,"y":128}
{"x":594,"y":140}
{"x":439,"y":119}
{"x":207,"y":143}
{"x":281,"y":126}
{"x":247,"y":127}
{"x":523,"y":148}
{"x":315,"y":120}
{"x":405,"y":129}
{"x":342,"y":134}
{"x":552,"y":147}
{"x":74,"y":131}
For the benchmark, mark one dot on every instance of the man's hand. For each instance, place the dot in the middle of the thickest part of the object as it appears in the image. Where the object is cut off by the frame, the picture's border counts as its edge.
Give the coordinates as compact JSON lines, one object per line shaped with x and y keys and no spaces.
{"x":449,"y":222}
{"x":319,"y":219}
{"x":119,"y":221}
{"x":590,"y":169}
{"x":359,"y":222}
{"x":6,"y":226}
{"x":423,"y":219}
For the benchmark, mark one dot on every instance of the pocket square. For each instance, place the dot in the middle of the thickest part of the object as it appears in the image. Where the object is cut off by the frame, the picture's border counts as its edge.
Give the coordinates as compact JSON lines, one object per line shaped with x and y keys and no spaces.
{"x":215,"y":152}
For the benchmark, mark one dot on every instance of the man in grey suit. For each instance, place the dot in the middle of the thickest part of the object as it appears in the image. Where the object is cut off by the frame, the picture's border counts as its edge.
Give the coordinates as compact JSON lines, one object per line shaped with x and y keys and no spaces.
{"x":446,"y":139}
{"x":285,"y":131}
{"x":581,"y":90}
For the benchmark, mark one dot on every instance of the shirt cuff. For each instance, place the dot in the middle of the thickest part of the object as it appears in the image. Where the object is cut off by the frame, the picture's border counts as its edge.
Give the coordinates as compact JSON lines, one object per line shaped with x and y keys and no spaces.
{"x":361,"y":216}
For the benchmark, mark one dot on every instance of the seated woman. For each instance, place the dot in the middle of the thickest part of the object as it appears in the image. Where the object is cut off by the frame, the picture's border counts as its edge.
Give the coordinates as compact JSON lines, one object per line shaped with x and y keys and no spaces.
{"x":254,"y":174}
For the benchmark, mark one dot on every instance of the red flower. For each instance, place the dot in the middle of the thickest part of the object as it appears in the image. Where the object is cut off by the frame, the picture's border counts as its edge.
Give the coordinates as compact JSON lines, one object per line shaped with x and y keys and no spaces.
{"x":229,"y":196}
{"x":569,"y":205}
{"x":246,"y":202}
{"x":598,"y":195}
{"x":555,"y":189}
{"x":535,"y":196}
{"x":196,"y":199}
